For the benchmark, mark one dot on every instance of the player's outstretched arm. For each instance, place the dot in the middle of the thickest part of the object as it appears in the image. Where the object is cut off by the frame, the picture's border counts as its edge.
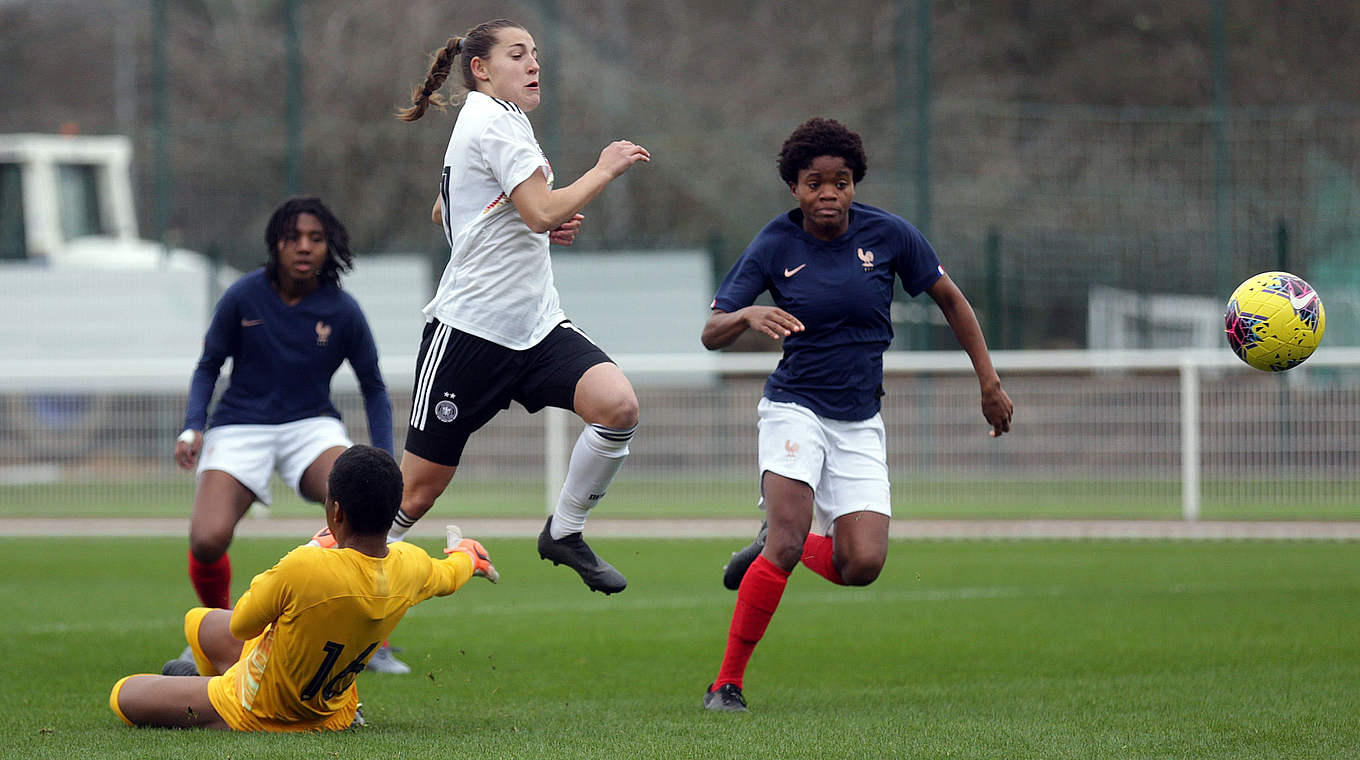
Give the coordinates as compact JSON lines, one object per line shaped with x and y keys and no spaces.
{"x":481,"y":560}
{"x":996,"y":404}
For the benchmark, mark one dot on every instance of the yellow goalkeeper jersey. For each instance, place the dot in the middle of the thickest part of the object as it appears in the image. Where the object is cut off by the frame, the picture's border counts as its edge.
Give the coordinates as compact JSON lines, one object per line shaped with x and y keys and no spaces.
{"x":310,"y":624}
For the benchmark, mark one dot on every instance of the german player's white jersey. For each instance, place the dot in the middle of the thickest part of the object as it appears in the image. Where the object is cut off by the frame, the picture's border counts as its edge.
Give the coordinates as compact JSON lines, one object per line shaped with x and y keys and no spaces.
{"x":498,"y":284}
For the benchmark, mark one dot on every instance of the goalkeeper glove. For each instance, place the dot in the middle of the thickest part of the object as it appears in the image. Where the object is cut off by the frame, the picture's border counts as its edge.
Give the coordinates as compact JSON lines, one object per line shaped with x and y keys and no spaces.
{"x":481,"y":561}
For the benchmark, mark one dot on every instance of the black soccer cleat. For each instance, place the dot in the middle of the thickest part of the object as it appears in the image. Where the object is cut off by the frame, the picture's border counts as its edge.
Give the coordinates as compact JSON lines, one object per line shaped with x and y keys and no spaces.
{"x":736,"y":568}
{"x":571,"y":550}
{"x":178,"y":667}
{"x":725,"y":698}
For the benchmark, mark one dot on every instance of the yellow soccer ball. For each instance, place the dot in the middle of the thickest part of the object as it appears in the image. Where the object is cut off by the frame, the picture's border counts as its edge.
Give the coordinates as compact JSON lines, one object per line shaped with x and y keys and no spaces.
{"x":1274,"y":321}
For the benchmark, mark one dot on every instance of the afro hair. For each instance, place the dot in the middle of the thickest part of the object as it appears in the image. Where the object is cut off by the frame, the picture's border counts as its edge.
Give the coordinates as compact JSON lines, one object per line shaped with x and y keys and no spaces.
{"x":821,"y":137}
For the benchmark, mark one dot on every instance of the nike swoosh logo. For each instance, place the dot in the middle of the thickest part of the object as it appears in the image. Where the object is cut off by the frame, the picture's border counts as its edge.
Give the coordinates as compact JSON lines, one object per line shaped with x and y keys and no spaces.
{"x":795,"y":270}
{"x":251,"y":322}
{"x":1298,"y":302}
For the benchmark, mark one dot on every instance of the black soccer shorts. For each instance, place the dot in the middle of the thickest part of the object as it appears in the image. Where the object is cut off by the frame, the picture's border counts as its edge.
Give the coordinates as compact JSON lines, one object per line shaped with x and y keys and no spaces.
{"x":462,"y":381}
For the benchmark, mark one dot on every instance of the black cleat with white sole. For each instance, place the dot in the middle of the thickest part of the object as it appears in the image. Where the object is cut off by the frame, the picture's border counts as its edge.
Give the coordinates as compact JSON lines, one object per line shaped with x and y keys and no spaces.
{"x":571,"y":550}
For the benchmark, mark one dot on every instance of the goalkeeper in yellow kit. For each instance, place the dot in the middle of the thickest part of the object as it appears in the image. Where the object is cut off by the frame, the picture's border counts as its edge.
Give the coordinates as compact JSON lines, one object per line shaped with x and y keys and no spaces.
{"x":289,"y":652}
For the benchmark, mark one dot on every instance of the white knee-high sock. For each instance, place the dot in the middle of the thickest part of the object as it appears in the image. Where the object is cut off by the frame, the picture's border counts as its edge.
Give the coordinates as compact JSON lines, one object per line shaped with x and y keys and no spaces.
{"x":596,"y":458}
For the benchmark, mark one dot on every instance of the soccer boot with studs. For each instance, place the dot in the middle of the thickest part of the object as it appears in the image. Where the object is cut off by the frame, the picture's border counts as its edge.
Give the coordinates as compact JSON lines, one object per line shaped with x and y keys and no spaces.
{"x":571,"y":550}
{"x":725,"y":698}
{"x":741,"y":560}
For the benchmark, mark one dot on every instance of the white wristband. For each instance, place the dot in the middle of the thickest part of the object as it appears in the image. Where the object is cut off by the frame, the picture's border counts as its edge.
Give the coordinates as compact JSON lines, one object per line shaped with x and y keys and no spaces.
{"x":187,"y":437}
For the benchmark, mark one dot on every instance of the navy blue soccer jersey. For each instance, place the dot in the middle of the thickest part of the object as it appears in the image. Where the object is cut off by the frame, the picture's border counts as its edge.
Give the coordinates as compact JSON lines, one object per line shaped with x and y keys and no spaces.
{"x":842,"y":291}
{"x":283,"y":359}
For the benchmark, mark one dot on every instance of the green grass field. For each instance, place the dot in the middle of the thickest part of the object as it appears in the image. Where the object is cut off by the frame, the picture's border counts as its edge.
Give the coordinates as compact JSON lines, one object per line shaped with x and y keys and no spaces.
{"x":962,"y":649}
{"x":634,"y":497}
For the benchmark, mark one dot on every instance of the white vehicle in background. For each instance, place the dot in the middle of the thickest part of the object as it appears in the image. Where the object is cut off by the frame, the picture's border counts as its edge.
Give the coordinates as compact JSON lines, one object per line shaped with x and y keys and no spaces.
{"x":67,"y":202}
{"x":101,"y":326}
{"x":92,"y":309}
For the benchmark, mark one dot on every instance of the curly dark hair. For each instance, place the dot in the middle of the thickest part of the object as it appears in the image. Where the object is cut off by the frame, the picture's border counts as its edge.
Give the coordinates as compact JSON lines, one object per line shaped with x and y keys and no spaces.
{"x":821,"y":137}
{"x":367,"y":483}
{"x":283,"y":224}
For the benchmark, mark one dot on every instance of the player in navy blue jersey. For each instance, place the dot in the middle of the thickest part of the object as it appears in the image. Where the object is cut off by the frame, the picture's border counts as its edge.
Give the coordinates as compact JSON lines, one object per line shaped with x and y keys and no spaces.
{"x":287,"y":327}
{"x":830,"y":265}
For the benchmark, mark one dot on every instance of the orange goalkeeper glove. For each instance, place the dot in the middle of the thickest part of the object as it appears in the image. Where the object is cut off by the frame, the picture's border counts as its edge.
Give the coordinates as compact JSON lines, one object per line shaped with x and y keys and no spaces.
{"x":481,"y":561}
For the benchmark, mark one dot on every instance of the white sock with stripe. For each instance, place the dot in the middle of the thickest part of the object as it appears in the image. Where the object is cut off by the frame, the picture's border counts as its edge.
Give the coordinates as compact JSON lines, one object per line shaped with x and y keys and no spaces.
{"x":400,"y":524}
{"x":596,"y":458}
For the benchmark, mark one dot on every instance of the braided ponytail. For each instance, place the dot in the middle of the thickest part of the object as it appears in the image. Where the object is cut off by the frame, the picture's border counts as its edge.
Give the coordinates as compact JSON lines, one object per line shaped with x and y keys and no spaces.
{"x":428,"y":92}
{"x":477,"y":43}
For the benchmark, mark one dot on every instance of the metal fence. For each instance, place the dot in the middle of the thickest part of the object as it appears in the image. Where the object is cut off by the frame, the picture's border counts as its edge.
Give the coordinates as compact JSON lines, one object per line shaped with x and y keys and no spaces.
{"x":1097,"y":435}
{"x":1034,"y":204}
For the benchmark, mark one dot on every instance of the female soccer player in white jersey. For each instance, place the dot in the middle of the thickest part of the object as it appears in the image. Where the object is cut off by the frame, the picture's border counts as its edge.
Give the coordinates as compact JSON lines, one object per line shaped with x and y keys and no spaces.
{"x":287,"y":328}
{"x":495,"y":332}
{"x":829,"y":265}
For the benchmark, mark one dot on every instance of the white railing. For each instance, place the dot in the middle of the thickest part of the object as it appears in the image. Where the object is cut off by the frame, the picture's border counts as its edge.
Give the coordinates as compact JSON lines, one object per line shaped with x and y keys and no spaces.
{"x":156,"y":375}
{"x":1125,"y":433}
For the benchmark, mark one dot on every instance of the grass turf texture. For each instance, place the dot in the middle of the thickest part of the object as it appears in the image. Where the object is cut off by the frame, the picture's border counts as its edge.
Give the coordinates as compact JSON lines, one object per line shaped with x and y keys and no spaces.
{"x":961,"y":649}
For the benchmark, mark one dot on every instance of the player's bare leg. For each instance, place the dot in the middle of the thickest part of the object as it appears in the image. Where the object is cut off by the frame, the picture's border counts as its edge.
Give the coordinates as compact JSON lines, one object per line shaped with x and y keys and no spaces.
{"x":423,"y":481}
{"x":605,"y":397}
{"x":312,"y":486}
{"x":861,"y":546}
{"x":219,"y":503}
{"x":212,"y":647}
{"x":783,"y":491}
{"x":605,"y":400}
{"x":215,"y":639}
{"x":853,"y":558}
{"x":168,"y":701}
{"x":788,"y":510}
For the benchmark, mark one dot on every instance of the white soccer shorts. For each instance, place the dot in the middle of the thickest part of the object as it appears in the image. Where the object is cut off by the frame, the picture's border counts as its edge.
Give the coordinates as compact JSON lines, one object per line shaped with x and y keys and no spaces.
{"x":251,"y":453}
{"x":845,"y":463}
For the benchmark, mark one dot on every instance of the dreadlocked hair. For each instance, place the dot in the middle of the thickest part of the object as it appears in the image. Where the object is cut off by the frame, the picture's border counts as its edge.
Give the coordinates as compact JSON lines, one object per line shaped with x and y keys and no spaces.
{"x":283,"y":226}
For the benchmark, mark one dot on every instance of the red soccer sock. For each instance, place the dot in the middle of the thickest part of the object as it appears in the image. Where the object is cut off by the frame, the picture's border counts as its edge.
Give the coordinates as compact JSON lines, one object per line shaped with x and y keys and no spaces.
{"x":819,"y":557}
{"x":757,"y":599}
{"x":212,"y":581}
